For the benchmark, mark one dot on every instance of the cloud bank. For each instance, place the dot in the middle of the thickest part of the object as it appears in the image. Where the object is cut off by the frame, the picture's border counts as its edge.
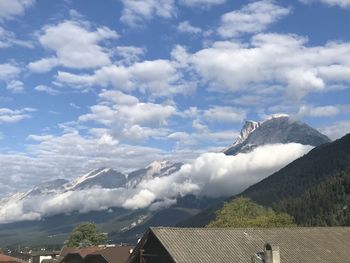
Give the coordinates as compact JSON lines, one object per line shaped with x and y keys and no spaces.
{"x":211,"y":174}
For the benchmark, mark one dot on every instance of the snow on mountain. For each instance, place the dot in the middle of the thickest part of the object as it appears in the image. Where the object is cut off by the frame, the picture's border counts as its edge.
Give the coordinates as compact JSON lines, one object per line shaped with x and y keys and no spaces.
{"x":278,"y":128}
{"x":49,"y":187}
{"x":106,"y":178}
{"x":101,"y":177}
{"x":155,"y":169}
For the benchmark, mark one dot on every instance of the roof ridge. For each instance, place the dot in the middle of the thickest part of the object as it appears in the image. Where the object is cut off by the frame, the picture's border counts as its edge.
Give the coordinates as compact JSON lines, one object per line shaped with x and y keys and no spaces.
{"x":251,"y":228}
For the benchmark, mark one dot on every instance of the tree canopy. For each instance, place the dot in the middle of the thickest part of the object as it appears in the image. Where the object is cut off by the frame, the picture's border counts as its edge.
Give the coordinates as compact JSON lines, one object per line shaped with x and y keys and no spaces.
{"x":84,"y":235}
{"x":325,"y":204}
{"x":242,"y":212}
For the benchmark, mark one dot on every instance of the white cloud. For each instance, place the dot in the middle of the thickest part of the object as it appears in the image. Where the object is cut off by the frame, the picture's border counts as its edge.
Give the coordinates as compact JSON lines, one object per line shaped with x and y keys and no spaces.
{"x":11,"y":8}
{"x":220,"y":175}
{"x":201,"y":3}
{"x":211,"y":174}
{"x":8,"y":39}
{"x":318,"y":111}
{"x":339,"y":72}
{"x":69,"y":155}
{"x":8,"y":70}
{"x":157,"y":78}
{"x":336,"y":130}
{"x":75,"y":46}
{"x":186,"y":27}
{"x":129,"y":118}
{"x":137,"y":11}
{"x":231,"y":67}
{"x":46,"y":89}
{"x":118,"y":97}
{"x":340,"y":3}
{"x":129,"y":54}
{"x":252,"y":18}
{"x":224,"y":114}
{"x":200,"y":138}
{"x":129,"y":110}
{"x":15,"y":86}
{"x":43,"y":65}
{"x":13,"y":116}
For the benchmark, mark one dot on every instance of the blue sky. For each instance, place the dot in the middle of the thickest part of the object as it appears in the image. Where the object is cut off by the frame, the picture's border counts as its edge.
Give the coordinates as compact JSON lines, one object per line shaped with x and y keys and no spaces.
{"x":89,"y":83}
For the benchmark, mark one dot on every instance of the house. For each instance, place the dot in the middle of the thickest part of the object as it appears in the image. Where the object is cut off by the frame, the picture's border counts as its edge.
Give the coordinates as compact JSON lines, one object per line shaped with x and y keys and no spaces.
{"x":118,"y":254}
{"x":8,"y":259}
{"x":243,"y":245}
{"x":98,"y":254}
{"x":39,"y":256}
{"x":76,"y":255}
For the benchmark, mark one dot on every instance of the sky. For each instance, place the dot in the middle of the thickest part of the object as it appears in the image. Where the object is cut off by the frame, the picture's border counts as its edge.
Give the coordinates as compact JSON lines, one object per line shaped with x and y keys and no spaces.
{"x":120,"y":83}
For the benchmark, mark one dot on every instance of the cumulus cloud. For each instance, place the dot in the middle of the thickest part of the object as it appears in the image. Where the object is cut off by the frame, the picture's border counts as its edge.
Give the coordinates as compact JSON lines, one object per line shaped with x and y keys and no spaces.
{"x":43,"y":65}
{"x":8,"y":39}
{"x":11,"y":8}
{"x":186,"y":27}
{"x":211,"y":174}
{"x":204,"y":127}
{"x":252,"y":18}
{"x":66,"y":156}
{"x":46,"y":89}
{"x":137,"y":11}
{"x":128,"y":117}
{"x":201,"y":3}
{"x":340,"y":3}
{"x":199,"y":139}
{"x":224,"y":114}
{"x":318,"y":111}
{"x":75,"y":46}
{"x":129,"y":54}
{"x":157,"y":78}
{"x":15,"y":86}
{"x":8,"y":70}
{"x":336,"y":130}
{"x":230,"y":66}
{"x":13,"y":116}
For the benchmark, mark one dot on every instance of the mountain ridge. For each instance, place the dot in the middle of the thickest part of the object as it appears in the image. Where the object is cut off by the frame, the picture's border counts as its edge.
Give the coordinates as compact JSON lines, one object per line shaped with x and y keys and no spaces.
{"x":278,"y":128}
{"x":125,"y":224}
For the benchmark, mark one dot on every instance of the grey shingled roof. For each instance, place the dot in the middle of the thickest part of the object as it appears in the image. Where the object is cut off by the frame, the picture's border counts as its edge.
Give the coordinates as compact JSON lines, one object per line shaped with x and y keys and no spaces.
{"x":297,"y":245}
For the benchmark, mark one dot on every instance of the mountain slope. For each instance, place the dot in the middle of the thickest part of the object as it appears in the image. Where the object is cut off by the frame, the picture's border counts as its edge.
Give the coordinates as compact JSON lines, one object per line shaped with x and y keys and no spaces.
{"x":293,"y":180}
{"x":309,"y":172}
{"x":102,"y":177}
{"x":276,"y":129}
{"x":123,"y":225}
{"x":326,"y":204}
{"x":155,"y":169}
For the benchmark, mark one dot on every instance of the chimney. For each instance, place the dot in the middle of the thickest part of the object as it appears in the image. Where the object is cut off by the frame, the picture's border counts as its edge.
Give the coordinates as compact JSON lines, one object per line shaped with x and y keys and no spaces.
{"x":272,"y":254}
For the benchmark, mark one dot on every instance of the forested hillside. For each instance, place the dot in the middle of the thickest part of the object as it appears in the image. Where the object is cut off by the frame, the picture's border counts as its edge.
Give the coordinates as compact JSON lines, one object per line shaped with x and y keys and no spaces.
{"x":318,"y":165}
{"x":327,"y":204}
{"x":314,"y":189}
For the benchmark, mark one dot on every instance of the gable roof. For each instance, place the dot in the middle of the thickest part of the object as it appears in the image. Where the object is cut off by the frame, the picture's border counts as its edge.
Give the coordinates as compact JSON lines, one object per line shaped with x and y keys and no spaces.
{"x":5,"y":258}
{"x":82,"y":252}
{"x":211,"y":245}
{"x":118,"y":254}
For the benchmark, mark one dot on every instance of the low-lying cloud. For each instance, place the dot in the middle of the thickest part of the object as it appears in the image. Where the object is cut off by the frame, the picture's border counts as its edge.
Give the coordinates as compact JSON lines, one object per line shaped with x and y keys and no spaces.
{"x":211,"y":174}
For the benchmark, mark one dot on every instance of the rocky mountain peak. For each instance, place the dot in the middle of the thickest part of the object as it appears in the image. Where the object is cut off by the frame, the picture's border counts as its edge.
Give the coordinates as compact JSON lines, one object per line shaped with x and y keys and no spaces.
{"x":278,"y":128}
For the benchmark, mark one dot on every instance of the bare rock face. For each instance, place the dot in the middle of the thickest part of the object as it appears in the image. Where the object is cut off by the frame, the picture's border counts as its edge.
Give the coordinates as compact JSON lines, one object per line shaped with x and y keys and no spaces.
{"x":276,"y":129}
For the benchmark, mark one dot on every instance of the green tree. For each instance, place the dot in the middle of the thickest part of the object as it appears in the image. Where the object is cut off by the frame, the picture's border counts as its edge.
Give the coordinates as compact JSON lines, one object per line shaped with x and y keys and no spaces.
{"x":242,"y":212}
{"x":84,"y":235}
